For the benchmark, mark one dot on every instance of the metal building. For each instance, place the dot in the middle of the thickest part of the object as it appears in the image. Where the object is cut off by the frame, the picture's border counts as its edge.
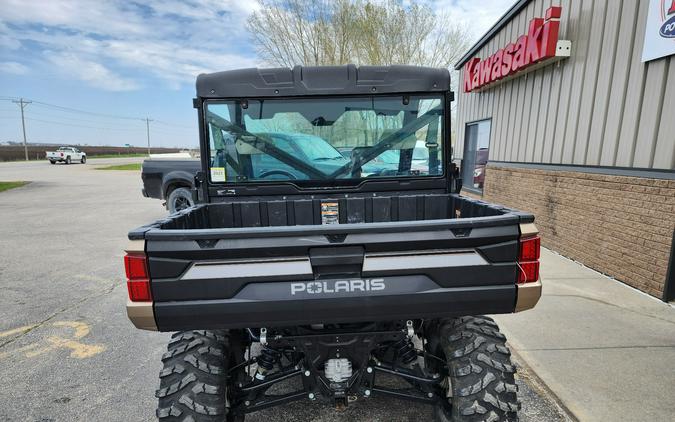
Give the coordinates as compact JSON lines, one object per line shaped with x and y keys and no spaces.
{"x":579,"y":128}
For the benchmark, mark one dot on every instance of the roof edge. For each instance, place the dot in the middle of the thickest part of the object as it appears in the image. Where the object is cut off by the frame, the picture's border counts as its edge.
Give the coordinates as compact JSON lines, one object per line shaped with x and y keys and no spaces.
{"x":322,"y":80}
{"x":501,"y":22}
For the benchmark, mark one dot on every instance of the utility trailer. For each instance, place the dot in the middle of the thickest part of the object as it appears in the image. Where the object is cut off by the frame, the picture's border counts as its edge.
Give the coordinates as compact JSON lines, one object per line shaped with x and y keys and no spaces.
{"x":336,"y":275}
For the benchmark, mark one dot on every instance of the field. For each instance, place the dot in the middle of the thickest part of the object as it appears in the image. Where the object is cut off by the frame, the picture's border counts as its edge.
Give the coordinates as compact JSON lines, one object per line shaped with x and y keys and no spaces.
{"x":37,"y":152}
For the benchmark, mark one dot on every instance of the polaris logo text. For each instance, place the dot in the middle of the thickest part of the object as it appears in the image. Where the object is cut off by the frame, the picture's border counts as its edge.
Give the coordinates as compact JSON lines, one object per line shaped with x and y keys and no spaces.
{"x":340,"y":286}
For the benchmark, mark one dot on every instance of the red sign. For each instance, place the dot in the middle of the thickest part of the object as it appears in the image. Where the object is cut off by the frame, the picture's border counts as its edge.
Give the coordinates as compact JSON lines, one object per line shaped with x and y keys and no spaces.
{"x":537,"y":45}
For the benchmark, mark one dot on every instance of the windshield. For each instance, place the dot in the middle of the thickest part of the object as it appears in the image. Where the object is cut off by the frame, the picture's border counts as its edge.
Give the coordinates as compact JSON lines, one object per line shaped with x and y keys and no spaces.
{"x":330,"y":140}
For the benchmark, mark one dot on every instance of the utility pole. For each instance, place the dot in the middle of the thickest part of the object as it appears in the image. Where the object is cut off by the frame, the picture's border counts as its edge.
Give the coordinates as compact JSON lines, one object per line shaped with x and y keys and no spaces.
{"x":23,"y":103}
{"x":147,"y":127}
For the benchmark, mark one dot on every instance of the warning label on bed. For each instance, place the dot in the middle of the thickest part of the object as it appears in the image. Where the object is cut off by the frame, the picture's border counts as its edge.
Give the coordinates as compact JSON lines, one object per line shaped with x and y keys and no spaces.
{"x":330,"y":213}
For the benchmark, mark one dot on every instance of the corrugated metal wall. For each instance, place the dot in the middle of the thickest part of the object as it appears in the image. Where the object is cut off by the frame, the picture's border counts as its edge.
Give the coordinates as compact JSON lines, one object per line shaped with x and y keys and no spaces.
{"x":600,"y":107}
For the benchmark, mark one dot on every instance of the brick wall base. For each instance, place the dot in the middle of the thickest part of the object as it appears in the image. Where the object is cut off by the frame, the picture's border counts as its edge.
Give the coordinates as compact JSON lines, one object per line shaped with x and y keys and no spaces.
{"x":618,"y":225}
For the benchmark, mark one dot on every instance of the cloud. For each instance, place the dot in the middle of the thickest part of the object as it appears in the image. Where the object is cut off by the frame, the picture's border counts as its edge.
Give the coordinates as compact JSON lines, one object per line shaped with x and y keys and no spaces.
{"x":93,"y":73}
{"x":122,"y":45}
{"x":478,"y":16}
{"x":93,"y":17}
{"x":126,"y":44}
{"x":13,"y":68}
{"x":7,"y":42}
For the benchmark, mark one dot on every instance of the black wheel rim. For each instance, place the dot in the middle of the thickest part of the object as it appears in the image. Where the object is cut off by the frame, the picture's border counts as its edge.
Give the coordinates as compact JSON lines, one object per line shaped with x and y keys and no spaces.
{"x":181,"y":203}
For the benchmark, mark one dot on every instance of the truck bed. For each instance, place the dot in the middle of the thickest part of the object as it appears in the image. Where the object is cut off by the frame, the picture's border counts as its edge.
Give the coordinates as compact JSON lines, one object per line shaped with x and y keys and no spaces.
{"x":245,"y":263}
{"x":160,"y":175}
{"x":354,"y":210}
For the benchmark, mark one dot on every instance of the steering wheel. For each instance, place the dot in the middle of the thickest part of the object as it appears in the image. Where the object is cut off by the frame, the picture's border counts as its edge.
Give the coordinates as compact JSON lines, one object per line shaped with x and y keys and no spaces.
{"x":266,"y":174}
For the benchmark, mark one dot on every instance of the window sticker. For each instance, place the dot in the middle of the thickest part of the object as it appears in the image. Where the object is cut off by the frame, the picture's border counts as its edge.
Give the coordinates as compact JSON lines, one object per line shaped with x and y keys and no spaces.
{"x":218,"y":174}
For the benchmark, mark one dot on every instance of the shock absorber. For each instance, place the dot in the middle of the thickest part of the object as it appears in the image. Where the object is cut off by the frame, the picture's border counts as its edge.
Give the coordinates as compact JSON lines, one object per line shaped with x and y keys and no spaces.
{"x":266,"y":360}
{"x":405,"y":350}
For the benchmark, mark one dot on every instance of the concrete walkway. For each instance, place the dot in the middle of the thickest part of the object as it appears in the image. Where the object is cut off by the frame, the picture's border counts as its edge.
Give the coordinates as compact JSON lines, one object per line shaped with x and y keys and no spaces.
{"x":606,"y":350}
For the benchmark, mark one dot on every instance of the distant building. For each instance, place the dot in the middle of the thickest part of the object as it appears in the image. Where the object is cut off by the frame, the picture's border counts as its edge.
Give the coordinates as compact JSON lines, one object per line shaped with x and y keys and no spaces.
{"x":572,"y":117}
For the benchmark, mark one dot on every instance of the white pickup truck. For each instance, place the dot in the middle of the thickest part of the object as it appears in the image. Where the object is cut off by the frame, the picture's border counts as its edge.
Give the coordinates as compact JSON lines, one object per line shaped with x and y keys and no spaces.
{"x":66,"y":155}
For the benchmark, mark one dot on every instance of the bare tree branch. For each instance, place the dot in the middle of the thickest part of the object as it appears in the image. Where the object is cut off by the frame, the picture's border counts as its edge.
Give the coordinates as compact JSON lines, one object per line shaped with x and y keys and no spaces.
{"x":364,"y":32}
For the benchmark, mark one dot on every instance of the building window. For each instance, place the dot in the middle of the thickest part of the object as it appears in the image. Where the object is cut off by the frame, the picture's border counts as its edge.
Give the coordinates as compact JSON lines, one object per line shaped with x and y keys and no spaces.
{"x":476,"y":148}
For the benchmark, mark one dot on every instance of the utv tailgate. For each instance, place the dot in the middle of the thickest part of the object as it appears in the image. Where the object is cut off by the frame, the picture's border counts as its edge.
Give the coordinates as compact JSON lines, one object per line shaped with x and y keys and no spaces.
{"x":247,"y":277}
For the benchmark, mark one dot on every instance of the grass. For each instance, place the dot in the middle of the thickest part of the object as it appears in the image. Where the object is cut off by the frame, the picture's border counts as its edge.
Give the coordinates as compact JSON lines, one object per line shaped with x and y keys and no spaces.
{"x":117,"y":155}
{"x":11,"y":185}
{"x":132,"y":167}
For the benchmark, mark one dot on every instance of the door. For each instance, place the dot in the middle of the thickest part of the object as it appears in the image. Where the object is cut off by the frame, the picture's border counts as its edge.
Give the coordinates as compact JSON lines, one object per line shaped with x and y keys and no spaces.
{"x":476,"y":151}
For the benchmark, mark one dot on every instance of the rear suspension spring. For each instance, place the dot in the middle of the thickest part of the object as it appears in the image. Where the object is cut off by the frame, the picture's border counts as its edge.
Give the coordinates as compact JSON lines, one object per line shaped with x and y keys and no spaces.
{"x":266,"y":361}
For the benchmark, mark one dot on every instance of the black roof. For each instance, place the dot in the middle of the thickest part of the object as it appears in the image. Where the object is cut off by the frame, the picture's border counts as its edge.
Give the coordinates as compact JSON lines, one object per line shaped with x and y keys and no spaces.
{"x":322,"y":80}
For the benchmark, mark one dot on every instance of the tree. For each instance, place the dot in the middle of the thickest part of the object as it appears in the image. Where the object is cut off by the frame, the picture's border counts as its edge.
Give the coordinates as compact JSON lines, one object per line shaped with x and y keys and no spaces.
{"x":363,"y":32}
{"x":311,"y":33}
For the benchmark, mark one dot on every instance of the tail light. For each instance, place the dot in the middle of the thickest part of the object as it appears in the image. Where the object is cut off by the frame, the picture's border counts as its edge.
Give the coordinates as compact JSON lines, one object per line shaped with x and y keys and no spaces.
{"x":61,"y":154}
{"x":528,"y":260}
{"x":138,"y":280}
{"x":529,"y":249}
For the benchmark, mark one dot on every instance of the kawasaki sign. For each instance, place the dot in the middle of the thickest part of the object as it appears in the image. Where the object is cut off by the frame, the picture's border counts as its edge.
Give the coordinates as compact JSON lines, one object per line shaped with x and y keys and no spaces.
{"x":538,"y":47}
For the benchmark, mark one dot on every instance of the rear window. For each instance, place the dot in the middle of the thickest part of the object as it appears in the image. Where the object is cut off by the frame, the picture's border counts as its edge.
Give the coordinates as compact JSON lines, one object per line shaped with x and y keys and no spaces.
{"x":325,"y":140}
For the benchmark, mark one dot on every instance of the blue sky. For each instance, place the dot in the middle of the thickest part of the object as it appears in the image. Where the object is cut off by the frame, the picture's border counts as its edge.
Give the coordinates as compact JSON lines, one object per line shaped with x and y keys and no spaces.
{"x":135,"y":60}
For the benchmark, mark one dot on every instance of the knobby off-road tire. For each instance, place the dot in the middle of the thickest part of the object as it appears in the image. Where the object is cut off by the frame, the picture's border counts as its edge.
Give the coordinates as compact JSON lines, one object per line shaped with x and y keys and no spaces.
{"x":179,"y":199}
{"x":193,"y":382}
{"x":480,"y":372}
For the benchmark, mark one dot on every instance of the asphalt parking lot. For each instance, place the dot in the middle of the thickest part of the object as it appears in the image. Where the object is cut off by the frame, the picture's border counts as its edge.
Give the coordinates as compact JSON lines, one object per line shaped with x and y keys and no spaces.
{"x":67,"y":350}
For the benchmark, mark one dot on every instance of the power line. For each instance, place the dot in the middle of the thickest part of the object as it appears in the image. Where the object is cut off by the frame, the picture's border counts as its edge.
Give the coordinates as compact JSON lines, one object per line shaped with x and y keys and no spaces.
{"x":173,"y":124}
{"x":74,"y":122}
{"x":66,"y":109}
{"x":76,"y":110}
{"x":105,"y":115}
{"x":76,"y":119}
{"x":91,"y":113}
{"x":84,"y":126}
